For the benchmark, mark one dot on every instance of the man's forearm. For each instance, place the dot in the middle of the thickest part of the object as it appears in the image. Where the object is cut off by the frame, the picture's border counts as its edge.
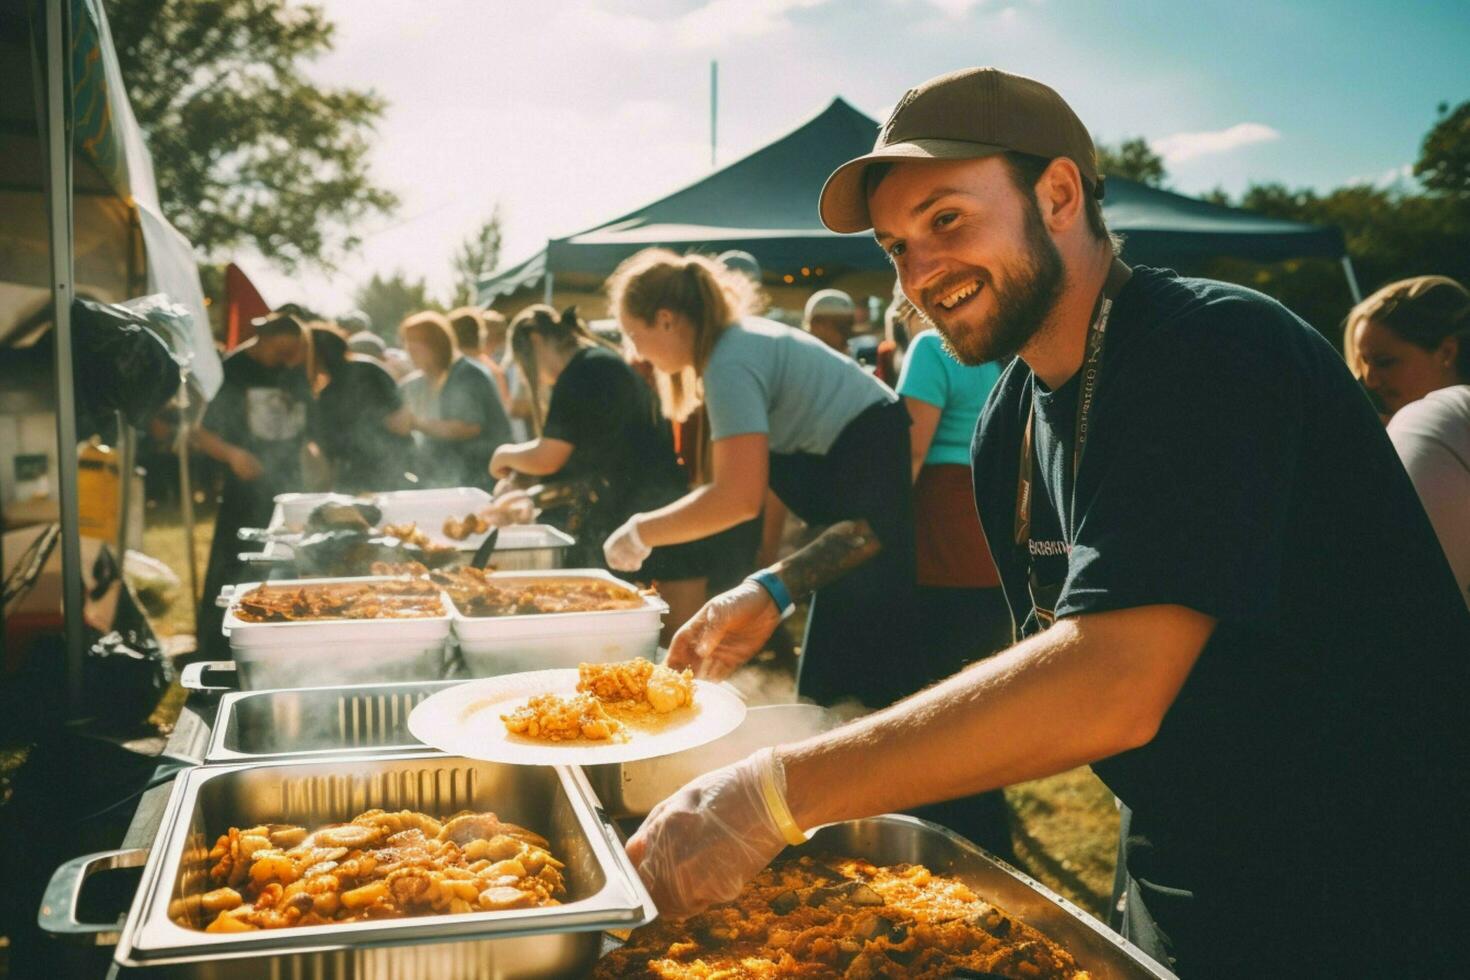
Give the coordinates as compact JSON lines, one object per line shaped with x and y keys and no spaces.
{"x":454,"y":430}
{"x":835,"y":552}
{"x":1083,"y":690}
{"x":213,"y":446}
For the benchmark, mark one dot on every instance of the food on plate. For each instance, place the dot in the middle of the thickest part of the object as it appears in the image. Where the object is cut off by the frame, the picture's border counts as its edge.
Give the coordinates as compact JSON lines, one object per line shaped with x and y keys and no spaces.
{"x":608,"y":696}
{"x":553,"y":718}
{"x":378,"y":866}
{"x":458,"y":529}
{"x":843,"y":917}
{"x":288,"y":603}
{"x":637,"y":682}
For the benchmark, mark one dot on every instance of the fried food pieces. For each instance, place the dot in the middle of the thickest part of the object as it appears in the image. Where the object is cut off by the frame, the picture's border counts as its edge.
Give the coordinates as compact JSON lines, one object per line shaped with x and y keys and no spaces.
{"x":553,"y":718}
{"x":608,"y":695}
{"x":843,"y":917}
{"x":404,"y":599}
{"x":379,"y":866}
{"x":638,"y":681}
{"x":457,"y":530}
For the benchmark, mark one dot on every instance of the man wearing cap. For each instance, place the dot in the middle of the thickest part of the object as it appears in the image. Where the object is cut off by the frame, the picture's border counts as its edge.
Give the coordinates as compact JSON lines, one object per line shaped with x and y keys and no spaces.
{"x":829,"y":316}
{"x":256,"y":426}
{"x":1229,"y":600}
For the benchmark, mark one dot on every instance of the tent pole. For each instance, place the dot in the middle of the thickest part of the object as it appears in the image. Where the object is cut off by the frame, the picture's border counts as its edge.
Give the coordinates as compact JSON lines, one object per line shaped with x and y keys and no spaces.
{"x":1352,"y":279}
{"x":59,"y":207}
{"x":186,"y":491}
{"x":550,"y":280}
{"x":126,"y":453}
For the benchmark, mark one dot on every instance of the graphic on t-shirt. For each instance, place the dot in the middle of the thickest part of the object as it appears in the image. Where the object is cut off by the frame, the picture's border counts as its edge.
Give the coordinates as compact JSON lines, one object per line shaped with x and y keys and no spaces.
{"x":273,"y":415}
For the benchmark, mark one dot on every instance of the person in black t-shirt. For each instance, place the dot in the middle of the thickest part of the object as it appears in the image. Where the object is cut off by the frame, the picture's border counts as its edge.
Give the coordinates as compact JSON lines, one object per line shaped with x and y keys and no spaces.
{"x":602,"y":434}
{"x":468,"y":422}
{"x":360,"y":421}
{"x":1233,"y":604}
{"x":256,"y":425}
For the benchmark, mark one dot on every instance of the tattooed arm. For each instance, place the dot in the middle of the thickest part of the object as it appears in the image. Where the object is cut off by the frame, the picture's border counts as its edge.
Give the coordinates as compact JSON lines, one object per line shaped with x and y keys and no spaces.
{"x":835,"y":552}
{"x":733,"y":626}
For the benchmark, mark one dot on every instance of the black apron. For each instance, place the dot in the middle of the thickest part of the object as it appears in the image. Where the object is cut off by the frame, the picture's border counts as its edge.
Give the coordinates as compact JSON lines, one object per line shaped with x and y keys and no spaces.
{"x":859,"y":641}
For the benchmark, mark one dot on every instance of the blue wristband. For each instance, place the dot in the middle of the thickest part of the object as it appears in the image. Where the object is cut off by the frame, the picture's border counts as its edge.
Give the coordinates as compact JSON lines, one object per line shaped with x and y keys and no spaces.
{"x":772,"y":583}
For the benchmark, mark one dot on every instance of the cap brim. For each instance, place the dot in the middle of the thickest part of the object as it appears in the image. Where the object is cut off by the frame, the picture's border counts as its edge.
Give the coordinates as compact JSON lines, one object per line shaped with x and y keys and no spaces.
{"x":844,"y":201}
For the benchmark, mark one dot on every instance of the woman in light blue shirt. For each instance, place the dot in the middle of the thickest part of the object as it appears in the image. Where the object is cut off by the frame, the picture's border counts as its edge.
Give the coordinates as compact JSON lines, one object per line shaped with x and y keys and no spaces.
{"x":789,"y":414}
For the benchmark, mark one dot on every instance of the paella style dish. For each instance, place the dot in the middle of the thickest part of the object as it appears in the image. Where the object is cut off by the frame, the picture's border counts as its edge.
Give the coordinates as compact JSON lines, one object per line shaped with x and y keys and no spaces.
{"x":844,"y":917}
{"x":477,"y":592}
{"x":608,"y":698}
{"x":377,"y":866}
{"x":292,"y":603}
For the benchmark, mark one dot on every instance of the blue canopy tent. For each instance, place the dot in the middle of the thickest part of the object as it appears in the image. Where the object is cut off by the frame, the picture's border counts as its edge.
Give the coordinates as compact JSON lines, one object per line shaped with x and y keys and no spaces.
{"x":766,"y":204}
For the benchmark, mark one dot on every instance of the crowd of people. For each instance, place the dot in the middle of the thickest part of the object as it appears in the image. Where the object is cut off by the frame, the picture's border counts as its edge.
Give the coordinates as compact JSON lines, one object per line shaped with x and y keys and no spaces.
{"x":1245,"y":603}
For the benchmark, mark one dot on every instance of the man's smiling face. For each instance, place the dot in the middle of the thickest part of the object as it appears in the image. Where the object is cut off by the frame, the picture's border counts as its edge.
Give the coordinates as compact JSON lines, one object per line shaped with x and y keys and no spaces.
{"x":971,"y":250}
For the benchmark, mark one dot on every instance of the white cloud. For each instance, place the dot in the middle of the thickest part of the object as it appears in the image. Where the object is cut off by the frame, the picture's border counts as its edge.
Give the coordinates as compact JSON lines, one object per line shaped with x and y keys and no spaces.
{"x":1395,"y":178}
{"x":1186,"y":146}
{"x":955,"y":9}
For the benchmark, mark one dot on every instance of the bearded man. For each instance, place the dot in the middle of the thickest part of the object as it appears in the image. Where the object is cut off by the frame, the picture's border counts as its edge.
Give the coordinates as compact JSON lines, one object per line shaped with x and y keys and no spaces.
{"x":1230,"y":600}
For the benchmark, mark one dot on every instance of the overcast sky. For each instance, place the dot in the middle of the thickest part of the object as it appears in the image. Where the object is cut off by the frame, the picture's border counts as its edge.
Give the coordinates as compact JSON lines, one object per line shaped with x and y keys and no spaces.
{"x":569,"y":112}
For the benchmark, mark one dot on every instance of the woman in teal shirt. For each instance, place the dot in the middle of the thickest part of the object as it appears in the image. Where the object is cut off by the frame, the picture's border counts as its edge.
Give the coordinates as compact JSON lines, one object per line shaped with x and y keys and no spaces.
{"x":961,"y":608}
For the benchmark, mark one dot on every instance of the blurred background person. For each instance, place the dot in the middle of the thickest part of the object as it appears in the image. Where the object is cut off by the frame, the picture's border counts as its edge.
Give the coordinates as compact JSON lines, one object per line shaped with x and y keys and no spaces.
{"x":789,"y":414}
{"x":961,"y":610}
{"x":829,"y":316}
{"x":256,"y":425}
{"x":900,"y":321}
{"x":601,"y":432}
{"x":360,"y":422}
{"x":469,"y":333}
{"x":1410,"y":344}
{"x":456,"y":412}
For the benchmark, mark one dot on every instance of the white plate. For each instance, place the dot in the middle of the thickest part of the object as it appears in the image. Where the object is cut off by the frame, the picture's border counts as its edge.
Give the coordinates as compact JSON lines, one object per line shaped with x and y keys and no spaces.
{"x":465,"y":720}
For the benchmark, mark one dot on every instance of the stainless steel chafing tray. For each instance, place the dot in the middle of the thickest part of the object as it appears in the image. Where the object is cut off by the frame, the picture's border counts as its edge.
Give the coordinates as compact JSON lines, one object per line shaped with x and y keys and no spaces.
{"x":318,"y":722}
{"x":603,"y":889}
{"x":894,"y":839}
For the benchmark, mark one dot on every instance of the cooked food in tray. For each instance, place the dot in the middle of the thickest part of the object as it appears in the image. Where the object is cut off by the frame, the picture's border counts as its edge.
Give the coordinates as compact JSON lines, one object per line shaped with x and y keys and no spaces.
{"x":378,"y":866}
{"x":457,"y":529}
{"x":844,"y":917}
{"x":290,"y":603}
{"x":479,"y":593}
{"x":608,"y":697}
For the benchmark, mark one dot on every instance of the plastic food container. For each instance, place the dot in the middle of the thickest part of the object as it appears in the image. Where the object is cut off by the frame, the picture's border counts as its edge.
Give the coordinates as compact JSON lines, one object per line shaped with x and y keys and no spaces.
{"x":494,"y":645}
{"x":314,"y":653}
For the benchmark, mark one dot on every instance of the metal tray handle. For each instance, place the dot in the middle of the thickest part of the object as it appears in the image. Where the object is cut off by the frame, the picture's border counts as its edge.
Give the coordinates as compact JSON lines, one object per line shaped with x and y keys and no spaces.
{"x":194,"y":677}
{"x":58,"y":915}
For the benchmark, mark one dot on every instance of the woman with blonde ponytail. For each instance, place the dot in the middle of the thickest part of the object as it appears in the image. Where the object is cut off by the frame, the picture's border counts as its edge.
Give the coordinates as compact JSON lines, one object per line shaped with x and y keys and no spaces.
{"x":789,"y":414}
{"x":599,"y":432}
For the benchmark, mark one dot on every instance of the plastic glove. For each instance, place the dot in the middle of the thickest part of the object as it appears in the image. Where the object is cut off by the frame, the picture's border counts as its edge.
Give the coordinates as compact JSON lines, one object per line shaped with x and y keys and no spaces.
{"x":624,"y":549}
{"x":701,"y":845}
{"x":726,"y":632}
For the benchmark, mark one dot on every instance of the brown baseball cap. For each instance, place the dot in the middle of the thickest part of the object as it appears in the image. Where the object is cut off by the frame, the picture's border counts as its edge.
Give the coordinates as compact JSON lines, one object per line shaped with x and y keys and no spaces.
{"x":967,"y":114}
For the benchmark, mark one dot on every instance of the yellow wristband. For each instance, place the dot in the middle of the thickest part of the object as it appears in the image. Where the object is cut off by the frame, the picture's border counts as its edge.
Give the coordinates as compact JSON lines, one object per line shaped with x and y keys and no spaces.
{"x":776,"y":800}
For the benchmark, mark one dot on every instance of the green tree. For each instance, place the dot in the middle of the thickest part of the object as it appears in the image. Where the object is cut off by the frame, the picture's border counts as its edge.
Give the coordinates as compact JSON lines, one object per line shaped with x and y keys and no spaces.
{"x":247,"y":151}
{"x":388,"y":299}
{"x":477,"y":254}
{"x":1444,"y":159}
{"x":1133,"y":159}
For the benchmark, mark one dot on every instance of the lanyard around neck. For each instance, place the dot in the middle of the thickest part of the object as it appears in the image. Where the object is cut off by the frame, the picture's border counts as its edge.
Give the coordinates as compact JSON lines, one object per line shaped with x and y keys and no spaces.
{"x":1086,"y":394}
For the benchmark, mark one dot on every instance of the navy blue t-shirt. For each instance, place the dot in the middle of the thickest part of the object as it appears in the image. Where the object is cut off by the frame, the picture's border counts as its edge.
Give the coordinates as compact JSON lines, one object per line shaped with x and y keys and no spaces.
{"x":1233,"y":466}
